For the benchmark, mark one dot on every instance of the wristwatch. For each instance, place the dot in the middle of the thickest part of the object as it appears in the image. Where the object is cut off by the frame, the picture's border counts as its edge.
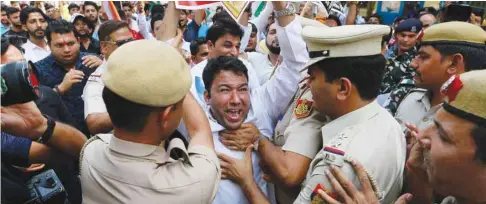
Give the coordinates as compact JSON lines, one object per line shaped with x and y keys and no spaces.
{"x":289,"y":11}
{"x":256,"y":142}
{"x":51,"y":124}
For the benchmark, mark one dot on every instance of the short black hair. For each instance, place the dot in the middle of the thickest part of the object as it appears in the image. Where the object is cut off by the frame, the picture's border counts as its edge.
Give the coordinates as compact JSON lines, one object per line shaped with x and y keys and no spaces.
{"x":223,"y":27}
{"x":375,"y":16}
{"x":73,"y":5}
{"x":221,"y":15}
{"x":24,"y":15}
{"x":3,"y":7}
{"x":125,"y":114}
{"x":90,"y":3}
{"x":11,"y":10}
{"x":60,"y":26}
{"x":473,"y":56}
{"x":478,"y":134}
{"x":146,"y":7}
{"x":222,"y":63}
{"x":129,"y":5}
{"x":365,"y":72}
{"x":122,"y":14}
{"x":157,"y":9}
{"x":195,"y":45}
{"x":155,"y":18}
{"x":48,"y":6}
{"x":108,"y":27}
{"x":335,"y":18}
{"x":5,"y":43}
{"x":254,"y":29}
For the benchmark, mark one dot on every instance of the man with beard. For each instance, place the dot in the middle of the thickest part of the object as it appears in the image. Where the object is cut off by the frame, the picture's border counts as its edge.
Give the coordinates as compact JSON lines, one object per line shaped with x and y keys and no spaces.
{"x":436,"y":62}
{"x":231,"y":100}
{"x":66,"y":69}
{"x":16,"y":35}
{"x":91,"y":13}
{"x":265,"y":64}
{"x":5,"y":24}
{"x":34,"y":21}
{"x":82,"y":30}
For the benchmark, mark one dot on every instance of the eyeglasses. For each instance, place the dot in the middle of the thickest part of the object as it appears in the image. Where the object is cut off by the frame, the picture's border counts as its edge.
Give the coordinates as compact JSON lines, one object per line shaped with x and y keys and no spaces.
{"x":120,"y":42}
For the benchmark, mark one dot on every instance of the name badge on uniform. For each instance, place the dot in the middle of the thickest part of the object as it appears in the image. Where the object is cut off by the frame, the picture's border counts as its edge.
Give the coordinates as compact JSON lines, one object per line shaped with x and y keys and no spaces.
{"x":94,"y":77}
{"x":333,"y":156}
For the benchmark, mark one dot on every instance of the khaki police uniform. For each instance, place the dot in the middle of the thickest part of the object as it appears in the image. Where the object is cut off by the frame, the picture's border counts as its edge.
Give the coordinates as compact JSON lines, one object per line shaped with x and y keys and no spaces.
{"x":416,"y":109}
{"x":298,"y":131}
{"x":416,"y":106}
{"x":369,"y":135}
{"x":113,"y":170}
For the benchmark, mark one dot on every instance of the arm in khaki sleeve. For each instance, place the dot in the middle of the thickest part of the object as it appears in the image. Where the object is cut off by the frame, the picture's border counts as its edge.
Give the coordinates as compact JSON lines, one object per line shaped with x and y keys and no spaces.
{"x":196,"y":123}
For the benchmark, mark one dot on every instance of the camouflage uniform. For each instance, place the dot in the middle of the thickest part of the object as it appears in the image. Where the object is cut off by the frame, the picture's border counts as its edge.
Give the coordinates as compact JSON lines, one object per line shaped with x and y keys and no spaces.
{"x":398,"y":78}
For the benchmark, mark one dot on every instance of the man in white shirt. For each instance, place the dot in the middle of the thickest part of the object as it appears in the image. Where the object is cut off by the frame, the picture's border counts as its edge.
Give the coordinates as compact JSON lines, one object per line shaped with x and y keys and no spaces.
{"x":247,"y":102}
{"x":35,"y":22}
{"x":112,"y":35}
{"x":266,"y":64}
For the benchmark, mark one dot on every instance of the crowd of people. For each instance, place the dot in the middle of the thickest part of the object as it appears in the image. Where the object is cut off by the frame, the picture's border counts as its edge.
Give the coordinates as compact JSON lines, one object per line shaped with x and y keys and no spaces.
{"x":305,"y":102}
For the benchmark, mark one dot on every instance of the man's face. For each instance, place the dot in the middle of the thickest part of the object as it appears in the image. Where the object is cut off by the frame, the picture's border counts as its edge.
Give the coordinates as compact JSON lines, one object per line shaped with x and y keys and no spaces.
{"x":14,"y":19}
{"x":229,"y":99}
{"x":50,"y":12}
{"x":119,"y":35}
{"x":430,"y":68}
{"x":91,"y":13}
{"x":272,"y":40}
{"x":227,"y":45}
{"x":36,"y":25}
{"x":81,"y":28}
{"x":331,"y":23}
{"x":4,"y":19}
{"x":449,"y":151}
{"x":64,"y":47}
{"x":201,"y":55}
{"x":252,"y":42}
{"x":406,"y":40}
{"x":128,"y":12}
{"x":323,"y":92}
{"x":12,"y":54}
{"x":373,"y":20}
{"x":428,"y":20}
{"x":73,"y":11}
{"x":182,"y":19}
{"x":15,"y":5}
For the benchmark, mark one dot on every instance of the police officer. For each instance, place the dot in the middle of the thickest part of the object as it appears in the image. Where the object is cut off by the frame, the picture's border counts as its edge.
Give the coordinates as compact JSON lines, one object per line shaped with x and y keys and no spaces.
{"x":445,"y":51}
{"x":344,"y":82}
{"x":398,"y":80}
{"x":129,"y":166}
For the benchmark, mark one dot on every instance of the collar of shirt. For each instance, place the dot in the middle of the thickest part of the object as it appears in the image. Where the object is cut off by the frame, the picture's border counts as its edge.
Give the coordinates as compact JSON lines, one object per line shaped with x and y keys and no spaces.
{"x":353,"y":118}
{"x":29,"y":45}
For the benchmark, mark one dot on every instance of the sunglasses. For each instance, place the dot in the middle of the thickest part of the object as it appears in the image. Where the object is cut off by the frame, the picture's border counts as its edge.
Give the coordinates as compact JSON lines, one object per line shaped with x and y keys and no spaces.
{"x":120,"y":42}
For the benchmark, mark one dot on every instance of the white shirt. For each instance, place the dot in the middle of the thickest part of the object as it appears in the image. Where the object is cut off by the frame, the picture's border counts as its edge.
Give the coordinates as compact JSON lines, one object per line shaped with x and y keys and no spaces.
{"x":263,"y":66}
{"x":268,"y":103}
{"x":93,"y":93}
{"x":35,"y":53}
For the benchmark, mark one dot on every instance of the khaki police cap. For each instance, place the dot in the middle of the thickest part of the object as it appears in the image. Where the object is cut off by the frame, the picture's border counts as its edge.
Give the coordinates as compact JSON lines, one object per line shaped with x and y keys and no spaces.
{"x":455,"y":32}
{"x":148,"y":72}
{"x":466,"y":96}
{"x":343,"y":41}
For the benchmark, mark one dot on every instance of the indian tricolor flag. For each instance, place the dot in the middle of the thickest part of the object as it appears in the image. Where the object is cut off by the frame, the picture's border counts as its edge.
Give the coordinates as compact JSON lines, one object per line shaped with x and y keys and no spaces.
{"x":195,"y":5}
{"x":110,"y":10}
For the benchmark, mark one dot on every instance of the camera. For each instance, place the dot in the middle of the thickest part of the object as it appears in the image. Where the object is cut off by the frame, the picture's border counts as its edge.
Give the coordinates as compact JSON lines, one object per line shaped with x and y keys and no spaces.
{"x":19,"y":83}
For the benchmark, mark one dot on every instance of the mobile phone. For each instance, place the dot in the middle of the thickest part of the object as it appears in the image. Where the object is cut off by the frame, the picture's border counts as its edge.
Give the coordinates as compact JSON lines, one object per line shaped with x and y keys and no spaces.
{"x":457,"y":12}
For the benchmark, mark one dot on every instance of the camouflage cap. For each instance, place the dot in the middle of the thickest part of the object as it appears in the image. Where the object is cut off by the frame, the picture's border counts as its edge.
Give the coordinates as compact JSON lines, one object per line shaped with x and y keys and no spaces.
{"x":455,"y":32}
{"x":466,"y":96}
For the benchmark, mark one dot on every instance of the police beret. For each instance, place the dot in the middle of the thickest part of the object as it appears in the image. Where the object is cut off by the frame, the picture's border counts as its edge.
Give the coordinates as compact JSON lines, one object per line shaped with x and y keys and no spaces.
{"x":343,"y":41}
{"x":466,"y":96}
{"x":148,"y":72}
{"x":410,"y":25}
{"x":455,"y":32}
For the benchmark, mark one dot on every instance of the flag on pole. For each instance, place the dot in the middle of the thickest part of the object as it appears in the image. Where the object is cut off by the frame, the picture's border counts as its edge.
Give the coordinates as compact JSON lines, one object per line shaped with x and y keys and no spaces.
{"x":110,"y":10}
{"x":257,"y":7}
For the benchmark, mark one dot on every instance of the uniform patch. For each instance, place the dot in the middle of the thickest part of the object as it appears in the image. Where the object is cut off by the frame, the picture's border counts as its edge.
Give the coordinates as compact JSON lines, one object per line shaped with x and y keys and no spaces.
{"x":303,"y":108}
{"x":333,"y":156}
{"x":451,"y":88}
{"x":316,"y":199}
